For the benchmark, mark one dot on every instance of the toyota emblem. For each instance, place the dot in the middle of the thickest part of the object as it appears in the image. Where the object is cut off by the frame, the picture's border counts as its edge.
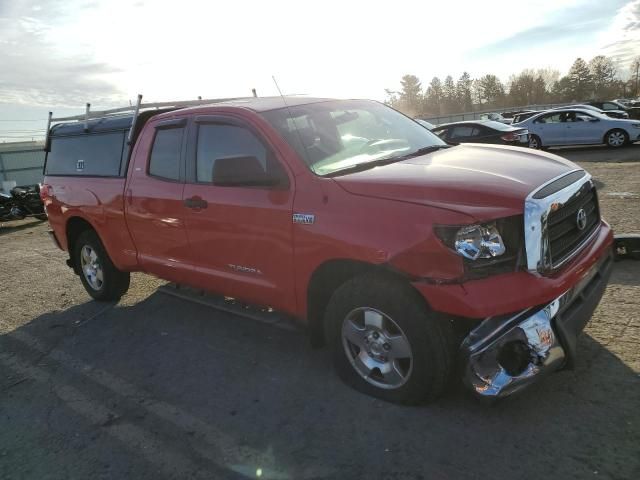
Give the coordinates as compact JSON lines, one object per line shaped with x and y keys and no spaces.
{"x":581,"y":219}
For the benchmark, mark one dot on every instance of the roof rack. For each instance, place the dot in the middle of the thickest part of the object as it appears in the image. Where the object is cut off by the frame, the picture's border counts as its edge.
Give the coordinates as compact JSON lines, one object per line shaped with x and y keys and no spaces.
{"x":135,"y":109}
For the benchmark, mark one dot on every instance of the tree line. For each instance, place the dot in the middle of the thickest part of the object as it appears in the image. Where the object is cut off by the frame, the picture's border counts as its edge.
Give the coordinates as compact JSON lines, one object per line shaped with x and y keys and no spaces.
{"x":597,"y":79}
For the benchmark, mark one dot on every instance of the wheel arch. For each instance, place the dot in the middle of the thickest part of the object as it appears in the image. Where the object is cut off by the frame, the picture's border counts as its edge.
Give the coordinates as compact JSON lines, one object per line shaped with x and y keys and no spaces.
{"x":74,"y":227}
{"x":328,"y":277}
{"x":616,"y":129}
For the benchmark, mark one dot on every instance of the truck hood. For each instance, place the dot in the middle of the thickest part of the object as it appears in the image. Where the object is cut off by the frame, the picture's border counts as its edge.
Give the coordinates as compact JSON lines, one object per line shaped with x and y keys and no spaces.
{"x":484,"y":181}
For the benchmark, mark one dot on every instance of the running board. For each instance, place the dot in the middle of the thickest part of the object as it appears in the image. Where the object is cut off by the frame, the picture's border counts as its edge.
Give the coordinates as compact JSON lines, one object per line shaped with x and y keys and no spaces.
{"x":230,"y":305}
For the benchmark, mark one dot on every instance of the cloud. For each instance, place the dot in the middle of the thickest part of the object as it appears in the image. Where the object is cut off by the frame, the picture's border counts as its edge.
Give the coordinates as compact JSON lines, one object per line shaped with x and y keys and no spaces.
{"x":625,"y":29}
{"x":34,"y":72}
{"x":571,"y":25}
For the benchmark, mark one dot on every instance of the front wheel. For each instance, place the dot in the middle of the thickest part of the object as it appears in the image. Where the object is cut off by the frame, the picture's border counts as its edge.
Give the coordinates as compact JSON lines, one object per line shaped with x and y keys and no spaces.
{"x":386,"y":343}
{"x":99,"y":276}
{"x":616,"y":138}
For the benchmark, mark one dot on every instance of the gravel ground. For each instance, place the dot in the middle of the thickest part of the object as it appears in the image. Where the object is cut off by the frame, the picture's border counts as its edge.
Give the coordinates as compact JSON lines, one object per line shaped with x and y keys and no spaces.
{"x":157,"y":387}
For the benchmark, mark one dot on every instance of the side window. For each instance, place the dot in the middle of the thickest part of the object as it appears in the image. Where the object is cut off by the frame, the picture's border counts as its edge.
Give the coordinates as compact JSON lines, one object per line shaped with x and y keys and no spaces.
{"x":87,"y":154}
{"x":552,"y":118}
{"x":440,"y":132}
{"x":463,"y":131}
{"x":165,"y":153}
{"x":238,"y":146}
{"x":609,"y":106}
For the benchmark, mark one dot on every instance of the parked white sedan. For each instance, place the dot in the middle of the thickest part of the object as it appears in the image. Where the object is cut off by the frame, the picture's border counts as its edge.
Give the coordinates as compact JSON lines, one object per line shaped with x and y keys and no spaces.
{"x":579,"y":127}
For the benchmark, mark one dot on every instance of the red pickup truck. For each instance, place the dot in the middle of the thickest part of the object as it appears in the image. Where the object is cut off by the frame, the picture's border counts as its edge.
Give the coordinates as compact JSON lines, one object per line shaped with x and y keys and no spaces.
{"x":414,"y":260}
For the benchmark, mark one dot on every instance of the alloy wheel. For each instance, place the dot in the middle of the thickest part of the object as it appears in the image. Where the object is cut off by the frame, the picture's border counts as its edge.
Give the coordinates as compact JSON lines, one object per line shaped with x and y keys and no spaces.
{"x":377,"y":348}
{"x":616,"y":139}
{"x":91,"y":267}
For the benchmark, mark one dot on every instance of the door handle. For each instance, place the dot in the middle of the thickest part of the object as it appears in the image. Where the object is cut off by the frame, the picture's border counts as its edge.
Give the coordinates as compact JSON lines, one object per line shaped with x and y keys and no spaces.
{"x":195,"y":202}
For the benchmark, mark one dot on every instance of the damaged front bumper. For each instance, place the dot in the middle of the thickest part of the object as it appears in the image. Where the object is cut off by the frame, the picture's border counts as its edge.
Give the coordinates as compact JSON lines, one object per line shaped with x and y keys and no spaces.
{"x":504,"y":354}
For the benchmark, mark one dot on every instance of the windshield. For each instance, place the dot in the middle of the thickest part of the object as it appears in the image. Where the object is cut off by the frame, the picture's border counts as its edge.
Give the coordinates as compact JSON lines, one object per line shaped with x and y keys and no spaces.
{"x":337,"y":135}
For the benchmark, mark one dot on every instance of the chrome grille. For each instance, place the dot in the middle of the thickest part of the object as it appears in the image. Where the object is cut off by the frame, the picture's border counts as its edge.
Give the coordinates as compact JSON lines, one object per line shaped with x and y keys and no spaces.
{"x":552,"y":233}
{"x":562,"y":224}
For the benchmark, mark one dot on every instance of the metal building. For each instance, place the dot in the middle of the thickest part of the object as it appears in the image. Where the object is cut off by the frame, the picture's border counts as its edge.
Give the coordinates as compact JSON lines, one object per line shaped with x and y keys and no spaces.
{"x":21,"y":162}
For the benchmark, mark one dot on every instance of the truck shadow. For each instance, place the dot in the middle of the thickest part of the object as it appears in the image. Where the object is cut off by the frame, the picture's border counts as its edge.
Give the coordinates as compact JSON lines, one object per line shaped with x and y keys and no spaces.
{"x":173,"y":387}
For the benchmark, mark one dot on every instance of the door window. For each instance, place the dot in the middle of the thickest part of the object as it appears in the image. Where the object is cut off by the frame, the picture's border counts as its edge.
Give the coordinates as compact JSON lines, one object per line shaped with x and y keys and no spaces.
{"x":218,"y":141}
{"x":441,"y":132}
{"x":552,"y":118}
{"x":165,"y":153}
{"x":464,"y":131}
{"x":610,"y":106}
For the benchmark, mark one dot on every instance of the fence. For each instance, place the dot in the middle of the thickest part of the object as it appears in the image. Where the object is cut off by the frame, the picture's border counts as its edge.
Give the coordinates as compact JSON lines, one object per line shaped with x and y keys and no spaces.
{"x":21,"y":162}
{"x":461,"y":117}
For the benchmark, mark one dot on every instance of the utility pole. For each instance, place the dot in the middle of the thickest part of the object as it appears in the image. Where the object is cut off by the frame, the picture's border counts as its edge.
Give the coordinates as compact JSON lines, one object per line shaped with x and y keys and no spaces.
{"x":637,"y":69}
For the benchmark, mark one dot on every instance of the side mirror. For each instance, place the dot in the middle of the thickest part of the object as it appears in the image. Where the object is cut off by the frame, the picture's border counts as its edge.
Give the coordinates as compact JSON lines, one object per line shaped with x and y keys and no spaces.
{"x":245,"y":171}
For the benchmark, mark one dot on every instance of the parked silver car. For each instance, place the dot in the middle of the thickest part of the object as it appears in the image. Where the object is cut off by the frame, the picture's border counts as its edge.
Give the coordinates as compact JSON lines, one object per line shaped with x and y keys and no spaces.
{"x":579,"y":127}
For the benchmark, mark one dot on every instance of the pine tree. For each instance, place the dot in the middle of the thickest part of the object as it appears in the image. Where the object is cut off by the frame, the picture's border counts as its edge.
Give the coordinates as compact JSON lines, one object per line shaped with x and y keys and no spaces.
{"x":603,"y":76}
{"x":410,"y":97}
{"x":433,"y":97}
{"x":449,"y":95}
{"x":580,"y":80}
{"x":463,"y":92}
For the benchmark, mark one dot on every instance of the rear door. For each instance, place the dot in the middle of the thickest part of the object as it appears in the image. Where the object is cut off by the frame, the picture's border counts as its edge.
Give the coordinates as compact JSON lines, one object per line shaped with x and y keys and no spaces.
{"x":551,"y":128}
{"x":153,"y":200}
{"x":240,"y":236}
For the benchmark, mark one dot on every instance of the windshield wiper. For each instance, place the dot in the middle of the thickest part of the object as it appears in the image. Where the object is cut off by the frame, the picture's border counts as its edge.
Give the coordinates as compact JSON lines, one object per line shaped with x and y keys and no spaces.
{"x":359,"y":167}
{"x":422,"y":151}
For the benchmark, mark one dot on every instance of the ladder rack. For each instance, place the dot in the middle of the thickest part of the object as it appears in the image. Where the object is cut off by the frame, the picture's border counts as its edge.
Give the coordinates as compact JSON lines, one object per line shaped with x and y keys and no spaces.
{"x":135,"y":109}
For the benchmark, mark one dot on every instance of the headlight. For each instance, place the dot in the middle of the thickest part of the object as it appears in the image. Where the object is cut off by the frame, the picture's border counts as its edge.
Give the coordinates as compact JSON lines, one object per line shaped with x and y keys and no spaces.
{"x":489,"y":248}
{"x":479,"y":241}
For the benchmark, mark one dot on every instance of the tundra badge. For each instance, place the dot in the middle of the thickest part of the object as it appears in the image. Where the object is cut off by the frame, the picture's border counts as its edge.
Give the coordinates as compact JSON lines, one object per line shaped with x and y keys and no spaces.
{"x":304,"y":218}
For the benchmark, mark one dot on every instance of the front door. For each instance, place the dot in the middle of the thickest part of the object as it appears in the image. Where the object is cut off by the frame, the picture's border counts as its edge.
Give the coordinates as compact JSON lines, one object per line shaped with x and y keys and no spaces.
{"x":240,"y":235}
{"x":583,"y":128}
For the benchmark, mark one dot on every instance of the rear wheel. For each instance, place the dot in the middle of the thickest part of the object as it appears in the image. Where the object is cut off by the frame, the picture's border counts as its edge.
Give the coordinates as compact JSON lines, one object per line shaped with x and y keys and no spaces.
{"x":616,"y":138}
{"x":534,"y":142}
{"x":386,"y":343}
{"x":99,"y":276}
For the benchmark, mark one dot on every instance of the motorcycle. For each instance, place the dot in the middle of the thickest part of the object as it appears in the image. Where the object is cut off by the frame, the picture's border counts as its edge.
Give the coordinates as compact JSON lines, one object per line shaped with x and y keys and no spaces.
{"x":22,"y":202}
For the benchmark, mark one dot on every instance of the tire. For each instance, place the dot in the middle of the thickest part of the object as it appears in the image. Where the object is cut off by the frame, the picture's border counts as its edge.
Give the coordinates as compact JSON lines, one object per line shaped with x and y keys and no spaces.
{"x":371,"y":305}
{"x":616,"y":138}
{"x":100,"y":278}
{"x":535,"y":142}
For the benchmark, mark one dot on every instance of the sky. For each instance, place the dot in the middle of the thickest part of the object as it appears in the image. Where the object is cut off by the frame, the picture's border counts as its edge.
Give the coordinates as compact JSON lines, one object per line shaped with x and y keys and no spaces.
{"x":59,"y":54}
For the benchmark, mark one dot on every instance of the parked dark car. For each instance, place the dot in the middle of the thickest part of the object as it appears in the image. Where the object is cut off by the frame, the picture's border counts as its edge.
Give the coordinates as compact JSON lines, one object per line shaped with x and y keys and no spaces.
{"x":482,"y":131}
{"x":513,"y":113}
{"x":523,"y":115}
{"x":634,"y":112}
{"x":609,"y":113}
